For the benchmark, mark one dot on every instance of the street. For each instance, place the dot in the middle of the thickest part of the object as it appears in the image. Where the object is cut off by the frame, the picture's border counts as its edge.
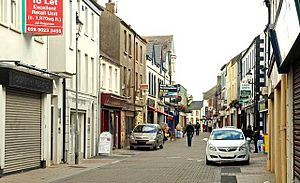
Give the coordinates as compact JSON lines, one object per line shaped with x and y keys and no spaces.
{"x":176,"y":162}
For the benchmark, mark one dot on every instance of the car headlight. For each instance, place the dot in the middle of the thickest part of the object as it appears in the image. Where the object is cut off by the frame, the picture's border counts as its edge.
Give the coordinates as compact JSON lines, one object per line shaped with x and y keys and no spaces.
{"x":153,"y":136}
{"x":131,"y":137}
{"x":211,"y":147}
{"x":243,"y":147}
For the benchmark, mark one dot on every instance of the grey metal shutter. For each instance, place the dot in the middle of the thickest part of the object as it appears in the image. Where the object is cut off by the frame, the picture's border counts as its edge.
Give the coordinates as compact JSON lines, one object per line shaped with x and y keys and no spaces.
{"x":296,"y":111}
{"x":22,"y":131}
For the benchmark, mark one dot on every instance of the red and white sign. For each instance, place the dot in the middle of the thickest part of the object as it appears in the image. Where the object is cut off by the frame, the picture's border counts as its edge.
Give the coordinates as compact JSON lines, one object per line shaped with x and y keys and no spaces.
{"x":44,"y":17}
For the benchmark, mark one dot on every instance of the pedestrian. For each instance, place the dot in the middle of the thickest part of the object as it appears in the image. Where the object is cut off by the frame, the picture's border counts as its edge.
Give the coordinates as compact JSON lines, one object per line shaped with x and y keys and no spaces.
{"x":197,"y":127}
{"x":189,"y":133}
{"x":256,"y":138}
{"x":249,"y":132}
{"x":209,"y":126}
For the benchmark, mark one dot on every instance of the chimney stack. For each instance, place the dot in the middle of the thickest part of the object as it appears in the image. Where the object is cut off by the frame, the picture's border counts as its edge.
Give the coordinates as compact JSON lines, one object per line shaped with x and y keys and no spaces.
{"x":110,"y":6}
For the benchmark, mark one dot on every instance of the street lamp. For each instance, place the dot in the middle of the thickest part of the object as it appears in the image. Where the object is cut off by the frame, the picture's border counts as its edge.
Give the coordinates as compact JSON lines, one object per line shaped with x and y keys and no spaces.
{"x":77,"y":137}
{"x":255,"y":99}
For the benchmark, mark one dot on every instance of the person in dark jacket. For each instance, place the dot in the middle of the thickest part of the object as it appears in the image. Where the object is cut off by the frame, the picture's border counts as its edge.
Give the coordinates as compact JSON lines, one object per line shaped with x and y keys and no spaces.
{"x":249,"y":132}
{"x":189,"y":133}
{"x":256,"y":138}
{"x":197,"y":127}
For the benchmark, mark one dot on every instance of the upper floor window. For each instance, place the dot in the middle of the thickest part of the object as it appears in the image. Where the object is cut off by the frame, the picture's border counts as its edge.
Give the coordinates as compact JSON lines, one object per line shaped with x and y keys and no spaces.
{"x":93,"y":25}
{"x":2,"y":10}
{"x":110,"y":74}
{"x":86,"y":20}
{"x":103,"y":76}
{"x":129,"y":46}
{"x":141,"y":54}
{"x":116,"y":79}
{"x":125,"y":40}
{"x":136,"y":51}
{"x":15,"y":13}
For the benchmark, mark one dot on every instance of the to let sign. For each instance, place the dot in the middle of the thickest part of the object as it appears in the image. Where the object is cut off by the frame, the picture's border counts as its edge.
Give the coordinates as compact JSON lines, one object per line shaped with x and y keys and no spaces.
{"x":43,"y":17}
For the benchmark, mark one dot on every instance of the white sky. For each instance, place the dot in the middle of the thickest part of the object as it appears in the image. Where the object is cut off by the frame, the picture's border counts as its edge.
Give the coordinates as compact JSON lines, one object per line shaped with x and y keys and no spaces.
{"x":207,"y":34}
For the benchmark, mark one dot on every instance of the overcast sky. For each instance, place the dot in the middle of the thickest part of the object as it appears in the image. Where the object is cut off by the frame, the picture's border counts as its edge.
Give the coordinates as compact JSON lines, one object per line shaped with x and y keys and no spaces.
{"x":207,"y":34}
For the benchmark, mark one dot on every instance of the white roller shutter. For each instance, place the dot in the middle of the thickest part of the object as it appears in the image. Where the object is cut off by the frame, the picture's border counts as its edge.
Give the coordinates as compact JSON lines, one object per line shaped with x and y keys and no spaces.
{"x":22,"y":131}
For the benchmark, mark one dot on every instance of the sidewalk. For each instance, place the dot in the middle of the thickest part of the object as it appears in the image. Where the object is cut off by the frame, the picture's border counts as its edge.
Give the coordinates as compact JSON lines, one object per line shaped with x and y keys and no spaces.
{"x":57,"y":172}
{"x":256,"y":171}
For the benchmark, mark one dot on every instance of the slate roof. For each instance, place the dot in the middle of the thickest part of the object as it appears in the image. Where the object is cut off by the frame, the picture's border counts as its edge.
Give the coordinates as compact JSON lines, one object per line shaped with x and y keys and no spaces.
{"x":196,"y":105}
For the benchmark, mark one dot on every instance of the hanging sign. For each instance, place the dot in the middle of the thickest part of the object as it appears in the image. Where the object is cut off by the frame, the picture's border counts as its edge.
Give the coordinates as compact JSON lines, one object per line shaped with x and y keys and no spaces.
{"x":43,"y":17}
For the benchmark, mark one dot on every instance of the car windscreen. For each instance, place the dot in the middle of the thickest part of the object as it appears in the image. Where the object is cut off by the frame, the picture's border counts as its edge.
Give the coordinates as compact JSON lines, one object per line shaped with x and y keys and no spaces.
{"x":226,"y":135}
{"x":145,"y":129}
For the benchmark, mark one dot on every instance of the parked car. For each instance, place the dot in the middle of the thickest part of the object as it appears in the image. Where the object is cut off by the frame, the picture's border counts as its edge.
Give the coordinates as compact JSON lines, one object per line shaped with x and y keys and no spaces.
{"x":227,"y":145}
{"x":147,"y":135}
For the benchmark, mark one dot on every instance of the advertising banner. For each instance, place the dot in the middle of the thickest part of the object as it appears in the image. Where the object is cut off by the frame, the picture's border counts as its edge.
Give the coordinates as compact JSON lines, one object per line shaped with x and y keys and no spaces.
{"x":43,"y":17}
{"x":168,"y":91}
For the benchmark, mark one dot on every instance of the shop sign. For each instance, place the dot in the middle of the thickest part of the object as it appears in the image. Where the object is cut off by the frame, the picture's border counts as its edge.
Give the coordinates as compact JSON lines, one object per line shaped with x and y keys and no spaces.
{"x":245,"y":92}
{"x":43,"y":17}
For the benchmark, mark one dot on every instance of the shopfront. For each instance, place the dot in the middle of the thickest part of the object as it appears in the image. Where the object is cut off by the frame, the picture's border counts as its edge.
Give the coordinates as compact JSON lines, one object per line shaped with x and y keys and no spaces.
{"x":22,"y":110}
{"x":111,"y":106}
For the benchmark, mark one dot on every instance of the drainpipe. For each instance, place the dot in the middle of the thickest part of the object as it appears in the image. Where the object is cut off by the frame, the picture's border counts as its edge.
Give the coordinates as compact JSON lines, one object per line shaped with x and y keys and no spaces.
{"x":64,"y":120}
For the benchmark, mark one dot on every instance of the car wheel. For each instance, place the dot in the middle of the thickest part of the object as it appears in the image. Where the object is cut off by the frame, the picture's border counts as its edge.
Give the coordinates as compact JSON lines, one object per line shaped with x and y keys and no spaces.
{"x":207,"y":161}
{"x":161,"y":146}
{"x":131,"y":148}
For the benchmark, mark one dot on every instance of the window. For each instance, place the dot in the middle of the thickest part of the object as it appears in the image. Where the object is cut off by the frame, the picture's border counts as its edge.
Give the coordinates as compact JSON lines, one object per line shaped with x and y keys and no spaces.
{"x":141,"y":54}
{"x":71,"y":24}
{"x":154,"y":86}
{"x":79,"y":70}
{"x":2,"y":10}
{"x":103,"y":76}
{"x":129,"y":41}
{"x":116,"y":79}
{"x":93,"y":25}
{"x":136,"y":51}
{"x":124,"y":81}
{"x":86,"y":73}
{"x":141,"y":81}
{"x":14,"y":17}
{"x":136,"y":81}
{"x":129,"y":82}
{"x":149,"y":83}
{"x":86,"y":20}
{"x":93,"y":74}
{"x":110,"y":80}
{"x":125,"y":40}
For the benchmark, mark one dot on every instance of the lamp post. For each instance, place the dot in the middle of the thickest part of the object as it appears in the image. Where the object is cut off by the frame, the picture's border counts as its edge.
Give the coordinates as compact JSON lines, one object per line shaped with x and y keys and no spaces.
{"x":255,"y":99}
{"x":77,"y":136}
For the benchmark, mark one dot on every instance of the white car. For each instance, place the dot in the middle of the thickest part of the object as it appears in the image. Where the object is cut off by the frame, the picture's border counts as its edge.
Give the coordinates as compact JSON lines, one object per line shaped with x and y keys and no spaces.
{"x":227,"y":145}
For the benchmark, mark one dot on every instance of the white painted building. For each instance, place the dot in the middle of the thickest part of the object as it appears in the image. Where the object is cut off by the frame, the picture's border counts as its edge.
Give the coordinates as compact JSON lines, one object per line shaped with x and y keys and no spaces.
{"x":63,"y":58}
{"x":25,"y":88}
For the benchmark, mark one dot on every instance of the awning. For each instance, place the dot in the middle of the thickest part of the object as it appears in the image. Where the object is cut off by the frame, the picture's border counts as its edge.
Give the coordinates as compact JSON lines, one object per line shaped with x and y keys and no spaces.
{"x":161,"y":112}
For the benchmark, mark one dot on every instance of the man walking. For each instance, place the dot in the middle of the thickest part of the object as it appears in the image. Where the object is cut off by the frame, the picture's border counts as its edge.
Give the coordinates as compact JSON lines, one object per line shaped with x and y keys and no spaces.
{"x":197,"y":127}
{"x":189,"y":133}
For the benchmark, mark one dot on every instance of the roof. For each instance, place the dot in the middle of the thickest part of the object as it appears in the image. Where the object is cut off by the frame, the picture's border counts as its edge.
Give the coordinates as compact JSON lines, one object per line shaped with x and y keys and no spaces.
{"x":196,"y":105}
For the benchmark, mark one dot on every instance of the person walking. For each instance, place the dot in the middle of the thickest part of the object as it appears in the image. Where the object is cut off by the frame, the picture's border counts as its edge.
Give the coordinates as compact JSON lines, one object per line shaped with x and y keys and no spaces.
{"x":189,"y":133}
{"x":256,"y":138}
{"x":197,"y":127}
{"x":248,"y":134}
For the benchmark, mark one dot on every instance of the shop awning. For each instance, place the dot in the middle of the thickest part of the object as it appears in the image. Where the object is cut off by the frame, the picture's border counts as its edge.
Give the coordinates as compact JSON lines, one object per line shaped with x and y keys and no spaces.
{"x":161,"y":112}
